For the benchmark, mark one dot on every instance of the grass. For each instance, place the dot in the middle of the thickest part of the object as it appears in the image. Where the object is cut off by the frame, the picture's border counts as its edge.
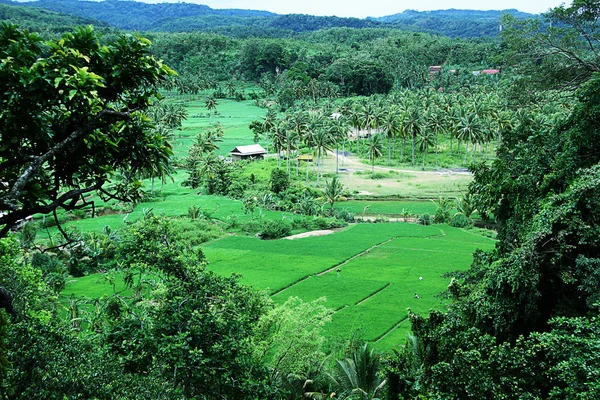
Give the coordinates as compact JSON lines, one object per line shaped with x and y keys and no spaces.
{"x":387,"y":207}
{"x":372,"y":291}
{"x":234,"y":117}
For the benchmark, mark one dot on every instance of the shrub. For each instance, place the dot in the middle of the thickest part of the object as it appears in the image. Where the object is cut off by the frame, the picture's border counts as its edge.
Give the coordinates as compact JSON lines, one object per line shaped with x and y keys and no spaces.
{"x":275,"y":229}
{"x":279,"y":181}
{"x":344,"y":215}
{"x":53,"y":269}
{"x":237,"y":188}
{"x":194,"y":212}
{"x":328,"y":223}
{"x":460,"y":220}
{"x":380,"y":175}
{"x":442,"y":216}
{"x":425,"y":219}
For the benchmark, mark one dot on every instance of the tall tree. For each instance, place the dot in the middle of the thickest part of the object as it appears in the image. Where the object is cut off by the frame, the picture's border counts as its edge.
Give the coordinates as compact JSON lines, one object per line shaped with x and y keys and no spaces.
{"x":71,"y":116}
{"x":375,"y":150}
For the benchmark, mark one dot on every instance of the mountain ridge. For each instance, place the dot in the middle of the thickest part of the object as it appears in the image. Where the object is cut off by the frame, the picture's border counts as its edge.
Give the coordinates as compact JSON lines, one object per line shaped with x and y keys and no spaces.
{"x":187,"y":17}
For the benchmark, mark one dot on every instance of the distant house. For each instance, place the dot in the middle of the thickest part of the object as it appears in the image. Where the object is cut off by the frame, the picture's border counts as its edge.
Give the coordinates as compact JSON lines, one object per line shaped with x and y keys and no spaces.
{"x":306,"y":157}
{"x":435,"y":69}
{"x":248,"y":152}
{"x":490,"y":71}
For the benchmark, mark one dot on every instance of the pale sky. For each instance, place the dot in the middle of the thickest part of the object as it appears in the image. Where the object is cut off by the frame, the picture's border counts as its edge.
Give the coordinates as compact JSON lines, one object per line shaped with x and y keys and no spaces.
{"x":372,"y":8}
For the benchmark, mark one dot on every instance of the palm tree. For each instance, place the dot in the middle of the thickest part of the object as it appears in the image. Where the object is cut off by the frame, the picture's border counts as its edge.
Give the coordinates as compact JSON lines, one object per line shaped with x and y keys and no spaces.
{"x":269,"y":122}
{"x":338,"y":129}
{"x":426,"y":139}
{"x":436,"y":123}
{"x":391,"y":128}
{"x":211,"y":104}
{"x":155,"y":161}
{"x":230,"y":86}
{"x":375,"y":144}
{"x":470,"y":130}
{"x":466,"y":205}
{"x":291,"y":141}
{"x":358,"y":377}
{"x":333,"y":191}
{"x":322,"y":142}
{"x":355,"y":120}
{"x":412,"y":127}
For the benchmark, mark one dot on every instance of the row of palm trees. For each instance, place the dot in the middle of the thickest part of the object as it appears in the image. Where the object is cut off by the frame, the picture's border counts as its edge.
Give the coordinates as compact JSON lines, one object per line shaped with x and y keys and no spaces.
{"x":458,"y":124}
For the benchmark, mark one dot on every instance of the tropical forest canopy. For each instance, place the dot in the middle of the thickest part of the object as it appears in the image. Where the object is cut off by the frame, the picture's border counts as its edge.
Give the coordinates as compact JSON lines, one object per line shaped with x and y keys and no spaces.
{"x":92,"y":115}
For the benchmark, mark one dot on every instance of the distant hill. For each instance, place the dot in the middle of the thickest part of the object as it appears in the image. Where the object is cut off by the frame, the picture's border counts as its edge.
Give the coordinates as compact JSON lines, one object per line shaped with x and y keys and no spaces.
{"x":133,"y":15}
{"x":452,"y":22}
{"x":187,"y":17}
{"x":42,"y":20}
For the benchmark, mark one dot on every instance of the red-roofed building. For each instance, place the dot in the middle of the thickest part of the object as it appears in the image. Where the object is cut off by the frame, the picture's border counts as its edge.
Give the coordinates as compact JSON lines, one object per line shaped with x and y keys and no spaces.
{"x":490,"y":71}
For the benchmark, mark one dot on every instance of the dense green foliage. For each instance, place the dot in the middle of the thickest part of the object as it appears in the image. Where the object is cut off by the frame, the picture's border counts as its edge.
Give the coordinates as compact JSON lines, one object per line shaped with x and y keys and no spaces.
{"x":80,"y":116}
{"x":43,"y":20}
{"x":83,"y":103}
{"x":524,"y":321}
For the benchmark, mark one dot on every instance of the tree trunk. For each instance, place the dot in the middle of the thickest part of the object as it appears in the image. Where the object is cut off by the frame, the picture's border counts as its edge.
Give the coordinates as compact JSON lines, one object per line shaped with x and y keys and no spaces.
{"x":414,"y":138}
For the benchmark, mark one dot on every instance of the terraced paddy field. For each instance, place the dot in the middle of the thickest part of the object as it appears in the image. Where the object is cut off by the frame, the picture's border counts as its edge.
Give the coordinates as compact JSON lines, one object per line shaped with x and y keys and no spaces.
{"x":387,"y":207}
{"x":380,"y":270}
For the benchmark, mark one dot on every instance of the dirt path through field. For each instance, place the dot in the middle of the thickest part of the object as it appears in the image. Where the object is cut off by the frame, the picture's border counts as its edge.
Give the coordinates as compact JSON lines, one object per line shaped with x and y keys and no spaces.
{"x":356,"y":162}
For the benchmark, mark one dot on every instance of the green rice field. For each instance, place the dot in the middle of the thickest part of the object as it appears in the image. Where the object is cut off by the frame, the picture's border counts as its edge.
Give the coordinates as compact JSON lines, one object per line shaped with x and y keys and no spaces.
{"x":380,"y":269}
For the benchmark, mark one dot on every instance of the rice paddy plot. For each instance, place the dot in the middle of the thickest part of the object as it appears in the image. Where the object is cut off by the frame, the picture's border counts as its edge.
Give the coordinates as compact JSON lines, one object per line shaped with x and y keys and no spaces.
{"x":276,"y":264}
{"x":370,"y":273}
{"x":387,"y":207}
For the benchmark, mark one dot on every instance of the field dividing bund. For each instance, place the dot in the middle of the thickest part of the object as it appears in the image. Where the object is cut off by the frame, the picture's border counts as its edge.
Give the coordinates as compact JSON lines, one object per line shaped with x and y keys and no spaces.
{"x":370,"y":273}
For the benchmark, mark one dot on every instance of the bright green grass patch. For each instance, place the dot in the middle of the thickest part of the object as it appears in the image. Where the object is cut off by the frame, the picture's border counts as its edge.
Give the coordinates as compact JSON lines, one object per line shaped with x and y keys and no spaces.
{"x":233,"y":116}
{"x":387,"y":207}
{"x":372,"y":291}
{"x":95,"y":286}
{"x":276,"y":264}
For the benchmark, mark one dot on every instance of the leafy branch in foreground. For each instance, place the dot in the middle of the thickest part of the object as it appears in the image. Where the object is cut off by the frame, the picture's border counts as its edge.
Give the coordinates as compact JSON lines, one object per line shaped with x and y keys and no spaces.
{"x":72,"y":116}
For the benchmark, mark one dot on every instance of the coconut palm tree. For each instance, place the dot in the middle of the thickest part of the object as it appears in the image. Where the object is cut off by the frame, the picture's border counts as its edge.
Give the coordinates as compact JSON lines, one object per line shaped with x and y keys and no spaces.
{"x":269,"y":122}
{"x":436,"y":123}
{"x":211,"y":104}
{"x":426,"y":140}
{"x":412,"y":125}
{"x":374,"y":149}
{"x":391,"y":128}
{"x":333,"y":191}
{"x":338,"y":130}
{"x":469,"y":129}
{"x":279,"y":139}
{"x":322,"y":143}
{"x":358,"y":377}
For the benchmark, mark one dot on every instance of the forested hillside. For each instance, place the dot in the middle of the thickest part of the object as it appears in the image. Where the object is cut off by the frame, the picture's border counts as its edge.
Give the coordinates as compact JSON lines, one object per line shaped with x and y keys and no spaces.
{"x":187,"y":17}
{"x":453,"y":23}
{"x":43,"y":20}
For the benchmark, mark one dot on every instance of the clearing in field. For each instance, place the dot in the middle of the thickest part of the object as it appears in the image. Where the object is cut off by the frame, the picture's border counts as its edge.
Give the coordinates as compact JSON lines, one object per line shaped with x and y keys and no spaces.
{"x":369,"y":273}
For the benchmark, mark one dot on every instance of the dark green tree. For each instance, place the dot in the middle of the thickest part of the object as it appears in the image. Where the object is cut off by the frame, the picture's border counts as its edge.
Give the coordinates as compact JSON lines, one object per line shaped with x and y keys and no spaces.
{"x":71,"y":116}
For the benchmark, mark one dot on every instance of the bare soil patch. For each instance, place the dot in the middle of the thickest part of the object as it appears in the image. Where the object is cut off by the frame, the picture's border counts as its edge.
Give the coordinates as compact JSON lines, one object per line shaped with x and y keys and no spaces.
{"x":311,"y":233}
